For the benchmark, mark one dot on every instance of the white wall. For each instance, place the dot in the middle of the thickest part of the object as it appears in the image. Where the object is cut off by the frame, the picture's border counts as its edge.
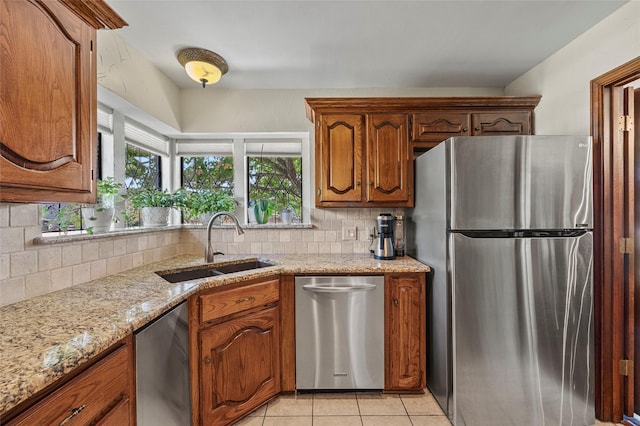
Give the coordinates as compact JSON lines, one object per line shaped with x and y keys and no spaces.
{"x":224,"y":110}
{"x":564,"y":78}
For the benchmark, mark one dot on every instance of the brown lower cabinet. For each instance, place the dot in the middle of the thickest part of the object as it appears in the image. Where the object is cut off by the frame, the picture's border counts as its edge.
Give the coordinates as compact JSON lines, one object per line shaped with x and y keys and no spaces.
{"x":102,"y":394}
{"x":235,"y":362}
{"x":405,"y":340}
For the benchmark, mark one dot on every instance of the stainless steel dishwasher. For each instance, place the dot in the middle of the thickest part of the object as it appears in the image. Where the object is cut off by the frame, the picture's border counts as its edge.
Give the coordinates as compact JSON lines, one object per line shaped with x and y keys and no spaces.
{"x":339,"y":332}
{"x":163,"y":396}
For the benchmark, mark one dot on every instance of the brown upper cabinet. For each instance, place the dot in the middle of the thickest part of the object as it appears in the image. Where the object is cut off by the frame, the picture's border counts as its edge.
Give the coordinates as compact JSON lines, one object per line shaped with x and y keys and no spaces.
{"x":364,"y":146}
{"x":48,"y":98}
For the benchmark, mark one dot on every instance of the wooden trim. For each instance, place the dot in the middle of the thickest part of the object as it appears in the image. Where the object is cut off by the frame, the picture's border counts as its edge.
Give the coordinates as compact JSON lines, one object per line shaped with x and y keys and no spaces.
{"x":609,"y":226}
{"x":365,"y":105}
{"x":96,"y":13}
{"x":288,"y":333}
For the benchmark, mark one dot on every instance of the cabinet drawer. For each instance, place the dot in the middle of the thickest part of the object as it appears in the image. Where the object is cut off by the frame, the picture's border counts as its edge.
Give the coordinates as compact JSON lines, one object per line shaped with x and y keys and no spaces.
{"x":226,"y":302}
{"x":93,"y":392}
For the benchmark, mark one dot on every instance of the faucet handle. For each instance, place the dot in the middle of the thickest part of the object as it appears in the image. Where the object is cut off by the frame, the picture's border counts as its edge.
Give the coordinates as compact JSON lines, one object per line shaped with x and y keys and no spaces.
{"x":218,"y":252}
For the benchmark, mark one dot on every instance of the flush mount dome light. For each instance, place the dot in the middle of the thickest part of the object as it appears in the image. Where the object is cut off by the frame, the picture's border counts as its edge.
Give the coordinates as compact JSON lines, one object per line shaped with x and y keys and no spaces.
{"x":202,"y":65}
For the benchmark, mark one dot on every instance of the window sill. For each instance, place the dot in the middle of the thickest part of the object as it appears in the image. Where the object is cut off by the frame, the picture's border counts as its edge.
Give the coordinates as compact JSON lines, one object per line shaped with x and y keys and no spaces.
{"x":75,"y":236}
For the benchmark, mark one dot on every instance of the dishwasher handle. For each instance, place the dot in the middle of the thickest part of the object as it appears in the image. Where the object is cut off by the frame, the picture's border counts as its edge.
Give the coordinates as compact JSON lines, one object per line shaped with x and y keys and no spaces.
{"x":339,"y":289}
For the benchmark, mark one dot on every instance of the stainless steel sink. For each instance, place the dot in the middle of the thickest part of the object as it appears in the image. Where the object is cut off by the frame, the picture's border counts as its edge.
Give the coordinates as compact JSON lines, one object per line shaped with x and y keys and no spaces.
{"x":204,"y":271}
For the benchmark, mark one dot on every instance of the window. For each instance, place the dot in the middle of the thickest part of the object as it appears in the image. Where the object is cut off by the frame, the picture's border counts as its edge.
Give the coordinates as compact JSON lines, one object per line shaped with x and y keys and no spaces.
{"x":142,"y":170}
{"x":278,"y":180}
{"x":201,"y":174}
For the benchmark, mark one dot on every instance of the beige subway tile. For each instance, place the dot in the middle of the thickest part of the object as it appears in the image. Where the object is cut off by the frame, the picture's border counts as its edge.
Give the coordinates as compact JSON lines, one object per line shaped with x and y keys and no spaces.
{"x":296,"y":235}
{"x":318,"y":236}
{"x":24,"y":263}
{"x":81,"y":273}
{"x":126,"y":262}
{"x":71,"y":255}
{"x":324,"y":247}
{"x":90,"y":252}
{"x":12,"y":290}
{"x":336,"y":248}
{"x":143,"y":242}
{"x":11,"y":239}
{"x":147,"y":257}
{"x":61,"y":278}
{"x":31,"y":233}
{"x":137,"y":259}
{"x":24,"y":215}
{"x":152,"y":240}
{"x":307,"y":235}
{"x":119,"y":247}
{"x":98,"y":269}
{"x":132,"y":245}
{"x":49,"y":258}
{"x":105,"y":249}
{"x":256,"y":248}
{"x":313,"y":248}
{"x":331,"y":236}
{"x":285,"y":236}
{"x":37,"y":284}
{"x":113,"y":265}
{"x":4,"y":215}
{"x":5,"y":266}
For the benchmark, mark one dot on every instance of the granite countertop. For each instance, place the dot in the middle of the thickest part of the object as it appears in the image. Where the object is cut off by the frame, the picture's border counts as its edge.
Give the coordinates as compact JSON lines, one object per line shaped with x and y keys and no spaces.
{"x":46,"y":337}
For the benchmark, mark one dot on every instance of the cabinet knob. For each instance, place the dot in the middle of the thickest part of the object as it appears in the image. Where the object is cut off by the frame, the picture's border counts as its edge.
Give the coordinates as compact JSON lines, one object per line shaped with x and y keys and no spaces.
{"x":358,"y":183}
{"x":477,"y":129}
{"x":395,"y":302}
{"x":207,"y":360}
{"x":464,"y":130}
{"x":246,"y":299}
{"x":74,"y":412}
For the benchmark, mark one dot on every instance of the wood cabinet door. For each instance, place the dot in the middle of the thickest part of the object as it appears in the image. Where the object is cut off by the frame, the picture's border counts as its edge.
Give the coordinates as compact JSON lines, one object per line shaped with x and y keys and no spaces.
{"x":432,"y":127}
{"x":339,"y":158}
{"x":501,"y":123}
{"x":389,"y":166}
{"x":48,"y":109}
{"x":239,"y":366}
{"x":405,"y":340}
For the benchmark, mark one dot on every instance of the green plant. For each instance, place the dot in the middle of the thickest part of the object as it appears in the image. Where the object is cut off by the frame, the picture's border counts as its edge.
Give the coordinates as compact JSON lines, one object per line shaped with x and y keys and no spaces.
{"x":263,"y":210}
{"x":208,"y":201}
{"x":153,"y":197}
{"x":108,"y":190}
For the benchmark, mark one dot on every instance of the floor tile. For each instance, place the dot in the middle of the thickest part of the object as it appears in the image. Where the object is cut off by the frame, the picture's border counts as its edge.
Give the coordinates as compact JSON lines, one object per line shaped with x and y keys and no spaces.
{"x":386,"y":421}
{"x":259,"y":412}
{"x":380,"y":405}
{"x":288,"y":421}
{"x":337,"y":420}
{"x":249,"y":421}
{"x":335,"y":406}
{"x":430,"y":421}
{"x":421,"y":405}
{"x":290,"y":405}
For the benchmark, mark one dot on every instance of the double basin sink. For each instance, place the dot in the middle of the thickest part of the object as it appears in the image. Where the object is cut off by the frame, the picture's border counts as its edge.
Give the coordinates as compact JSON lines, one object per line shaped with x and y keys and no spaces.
{"x":210,"y":270}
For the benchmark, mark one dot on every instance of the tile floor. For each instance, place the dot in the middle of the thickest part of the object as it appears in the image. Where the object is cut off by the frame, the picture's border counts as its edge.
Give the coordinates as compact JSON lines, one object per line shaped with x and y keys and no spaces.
{"x":346,"y":409}
{"x":353,"y":408}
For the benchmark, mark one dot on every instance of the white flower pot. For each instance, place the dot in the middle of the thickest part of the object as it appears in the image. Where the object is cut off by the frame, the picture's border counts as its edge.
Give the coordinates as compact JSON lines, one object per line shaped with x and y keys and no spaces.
{"x":154,"y":216}
{"x":99,"y":219}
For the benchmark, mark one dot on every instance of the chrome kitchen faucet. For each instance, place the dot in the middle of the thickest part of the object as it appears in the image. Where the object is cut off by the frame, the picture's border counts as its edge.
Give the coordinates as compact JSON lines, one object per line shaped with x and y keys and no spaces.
{"x":208,"y":252}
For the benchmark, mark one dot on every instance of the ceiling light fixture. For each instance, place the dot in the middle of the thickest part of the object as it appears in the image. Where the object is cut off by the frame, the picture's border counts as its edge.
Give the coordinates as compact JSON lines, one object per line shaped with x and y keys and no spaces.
{"x":202,"y":65}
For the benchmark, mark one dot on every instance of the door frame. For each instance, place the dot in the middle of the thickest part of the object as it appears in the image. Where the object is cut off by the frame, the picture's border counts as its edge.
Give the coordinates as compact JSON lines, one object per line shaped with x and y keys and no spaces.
{"x":613,"y":288}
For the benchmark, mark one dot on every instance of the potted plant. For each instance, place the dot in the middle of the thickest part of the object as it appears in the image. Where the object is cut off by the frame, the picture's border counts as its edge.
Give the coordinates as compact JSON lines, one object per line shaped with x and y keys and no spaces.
{"x":204,"y":203}
{"x":154,"y":205}
{"x":98,"y":217}
{"x":263,"y":210}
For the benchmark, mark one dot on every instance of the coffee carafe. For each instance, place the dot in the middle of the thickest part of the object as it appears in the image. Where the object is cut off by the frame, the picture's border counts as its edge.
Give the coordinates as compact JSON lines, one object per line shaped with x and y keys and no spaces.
{"x":384,"y":244}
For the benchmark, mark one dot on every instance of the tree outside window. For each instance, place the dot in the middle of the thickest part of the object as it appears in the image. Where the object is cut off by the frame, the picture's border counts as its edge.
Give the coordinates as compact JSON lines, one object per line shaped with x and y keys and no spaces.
{"x":142,"y":170}
{"x":207,"y":173}
{"x":278,"y":180}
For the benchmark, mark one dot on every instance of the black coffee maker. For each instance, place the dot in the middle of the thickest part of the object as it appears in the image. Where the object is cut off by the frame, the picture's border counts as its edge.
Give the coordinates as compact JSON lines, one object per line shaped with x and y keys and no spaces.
{"x":384,"y":249}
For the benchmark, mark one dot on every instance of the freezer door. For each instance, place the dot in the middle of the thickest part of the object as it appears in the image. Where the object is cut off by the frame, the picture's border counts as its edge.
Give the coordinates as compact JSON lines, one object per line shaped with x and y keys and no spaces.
{"x":522,"y":331}
{"x":520,"y":182}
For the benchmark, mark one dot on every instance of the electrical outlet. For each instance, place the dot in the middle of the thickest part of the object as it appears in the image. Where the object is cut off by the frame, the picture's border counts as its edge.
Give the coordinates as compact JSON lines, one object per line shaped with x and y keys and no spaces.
{"x":349,"y":233}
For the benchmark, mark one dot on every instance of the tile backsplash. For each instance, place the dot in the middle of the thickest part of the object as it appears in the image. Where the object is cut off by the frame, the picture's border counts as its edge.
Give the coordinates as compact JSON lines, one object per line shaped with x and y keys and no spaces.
{"x":28,"y":270}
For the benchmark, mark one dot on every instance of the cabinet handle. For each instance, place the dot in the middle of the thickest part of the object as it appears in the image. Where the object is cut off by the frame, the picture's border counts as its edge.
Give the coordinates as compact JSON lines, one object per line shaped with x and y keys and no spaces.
{"x":395,"y":302}
{"x":207,"y":360}
{"x":246,"y":299}
{"x":371,"y":183}
{"x":358,"y":183}
{"x":465,"y":130}
{"x":477,"y":129}
{"x":74,"y":412}
{"x":319,"y":192}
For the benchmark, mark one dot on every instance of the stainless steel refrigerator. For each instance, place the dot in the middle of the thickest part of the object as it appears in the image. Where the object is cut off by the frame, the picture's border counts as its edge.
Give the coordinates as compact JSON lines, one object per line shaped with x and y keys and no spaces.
{"x":505,"y":223}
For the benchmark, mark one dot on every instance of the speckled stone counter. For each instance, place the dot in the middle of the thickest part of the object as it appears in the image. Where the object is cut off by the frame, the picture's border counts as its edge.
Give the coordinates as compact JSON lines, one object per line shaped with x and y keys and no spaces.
{"x":46,"y":337}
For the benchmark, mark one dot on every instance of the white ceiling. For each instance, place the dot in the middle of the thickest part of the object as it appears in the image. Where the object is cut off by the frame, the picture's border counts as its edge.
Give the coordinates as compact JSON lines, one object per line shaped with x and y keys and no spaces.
{"x":299,"y":44}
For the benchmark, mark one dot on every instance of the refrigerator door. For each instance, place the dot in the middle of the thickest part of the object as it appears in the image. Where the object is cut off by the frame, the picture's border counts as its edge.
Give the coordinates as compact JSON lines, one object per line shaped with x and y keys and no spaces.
{"x":522,"y":331}
{"x":520,"y":182}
